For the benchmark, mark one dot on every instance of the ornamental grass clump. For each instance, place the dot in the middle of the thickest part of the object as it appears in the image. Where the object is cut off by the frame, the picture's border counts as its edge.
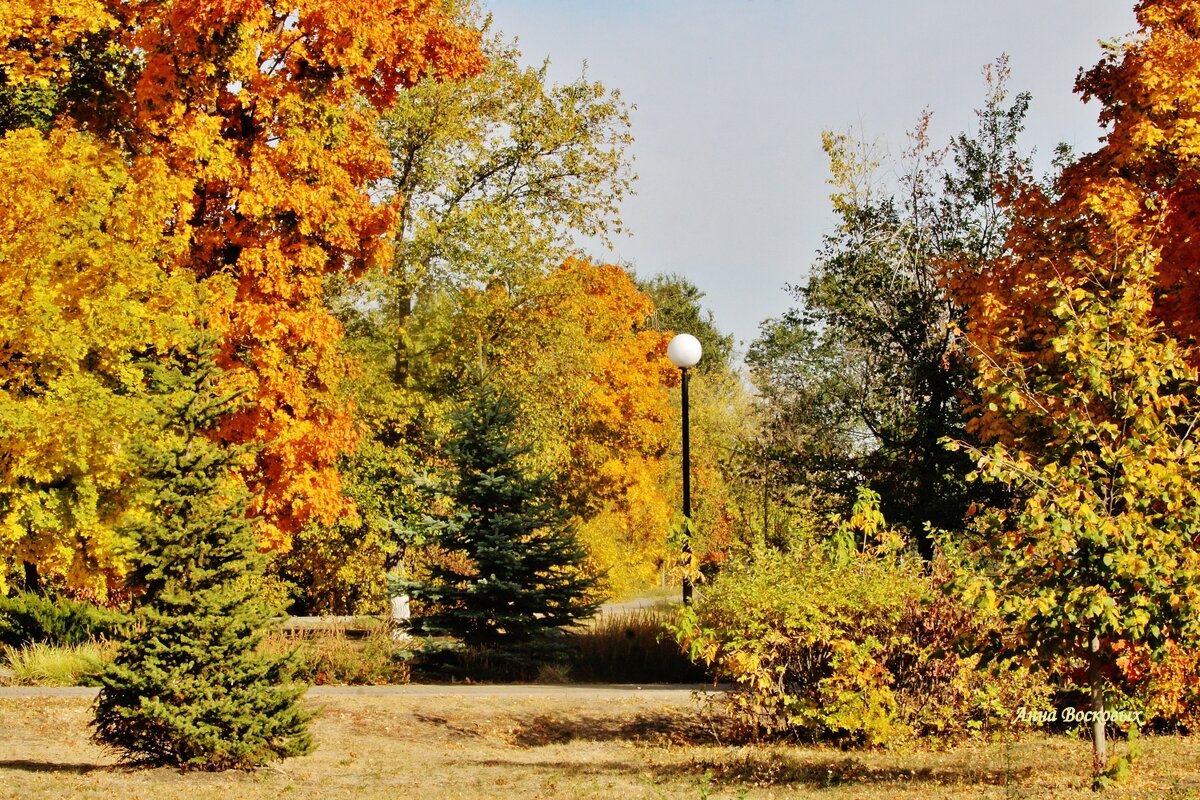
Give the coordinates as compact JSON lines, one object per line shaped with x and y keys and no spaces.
{"x":41,"y":664}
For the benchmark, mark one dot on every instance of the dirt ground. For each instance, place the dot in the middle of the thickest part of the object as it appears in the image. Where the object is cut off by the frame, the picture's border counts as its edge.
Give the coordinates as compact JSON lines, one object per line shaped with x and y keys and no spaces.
{"x":607,"y":743}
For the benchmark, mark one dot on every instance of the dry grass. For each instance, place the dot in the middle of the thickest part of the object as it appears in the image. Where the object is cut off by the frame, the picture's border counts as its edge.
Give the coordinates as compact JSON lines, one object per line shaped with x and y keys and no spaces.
{"x":41,"y":664}
{"x":329,"y":657}
{"x":602,"y":746}
{"x":630,"y":647}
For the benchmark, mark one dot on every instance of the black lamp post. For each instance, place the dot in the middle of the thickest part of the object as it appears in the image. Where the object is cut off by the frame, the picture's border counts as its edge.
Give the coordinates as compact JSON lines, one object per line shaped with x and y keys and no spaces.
{"x":684,"y":352}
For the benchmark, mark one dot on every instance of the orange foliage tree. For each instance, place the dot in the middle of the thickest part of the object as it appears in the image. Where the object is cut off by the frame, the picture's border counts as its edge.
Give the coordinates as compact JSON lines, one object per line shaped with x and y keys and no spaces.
{"x":1144,"y":184}
{"x":1084,"y":332}
{"x":1140,"y":192}
{"x":270,"y":111}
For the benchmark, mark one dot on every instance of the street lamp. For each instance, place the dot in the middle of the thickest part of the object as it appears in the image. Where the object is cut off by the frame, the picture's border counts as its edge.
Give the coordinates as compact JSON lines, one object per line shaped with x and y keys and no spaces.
{"x":684,"y":352}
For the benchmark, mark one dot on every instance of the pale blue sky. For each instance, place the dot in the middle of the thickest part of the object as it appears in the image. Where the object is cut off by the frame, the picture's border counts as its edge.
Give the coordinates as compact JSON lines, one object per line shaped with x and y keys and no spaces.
{"x":732,"y":96}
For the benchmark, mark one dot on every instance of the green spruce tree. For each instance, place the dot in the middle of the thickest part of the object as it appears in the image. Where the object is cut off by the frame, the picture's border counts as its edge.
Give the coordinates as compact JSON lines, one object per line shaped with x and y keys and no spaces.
{"x":512,"y":579}
{"x":187,"y":688}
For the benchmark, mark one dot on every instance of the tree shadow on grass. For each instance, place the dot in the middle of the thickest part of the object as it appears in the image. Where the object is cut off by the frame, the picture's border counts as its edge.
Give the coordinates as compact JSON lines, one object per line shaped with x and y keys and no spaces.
{"x":758,"y":766}
{"x":808,"y":771}
{"x":29,"y":765}
{"x":565,"y":766}
{"x":823,"y":770}
{"x":456,"y":728}
{"x":743,"y":766}
{"x":680,"y":727}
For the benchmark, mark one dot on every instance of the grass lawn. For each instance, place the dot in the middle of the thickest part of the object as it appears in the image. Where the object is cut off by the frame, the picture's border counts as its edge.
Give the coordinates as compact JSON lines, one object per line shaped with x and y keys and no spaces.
{"x":611,"y":745}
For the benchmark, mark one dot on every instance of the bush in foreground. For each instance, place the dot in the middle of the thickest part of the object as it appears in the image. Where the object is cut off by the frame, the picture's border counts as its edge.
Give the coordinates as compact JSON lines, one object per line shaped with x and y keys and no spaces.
{"x":848,"y":641}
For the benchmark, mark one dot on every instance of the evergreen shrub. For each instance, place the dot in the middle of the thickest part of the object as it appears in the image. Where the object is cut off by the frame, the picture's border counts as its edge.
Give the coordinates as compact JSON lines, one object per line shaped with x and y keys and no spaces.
{"x":511,"y":576}
{"x":29,"y":618}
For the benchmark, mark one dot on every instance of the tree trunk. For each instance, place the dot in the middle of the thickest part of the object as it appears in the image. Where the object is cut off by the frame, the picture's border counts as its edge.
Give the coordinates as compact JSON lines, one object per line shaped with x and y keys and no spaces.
{"x":33,"y":581}
{"x":1096,"y":681}
{"x":404,"y":308}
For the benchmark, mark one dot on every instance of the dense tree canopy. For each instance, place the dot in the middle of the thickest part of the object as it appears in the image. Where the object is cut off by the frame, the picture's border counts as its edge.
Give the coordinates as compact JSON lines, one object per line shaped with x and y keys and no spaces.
{"x":1082,"y":331}
{"x":82,"y":293}
{"x":270,"y":116}
{"x":494,"y":178}
{"x":1136,"y":194}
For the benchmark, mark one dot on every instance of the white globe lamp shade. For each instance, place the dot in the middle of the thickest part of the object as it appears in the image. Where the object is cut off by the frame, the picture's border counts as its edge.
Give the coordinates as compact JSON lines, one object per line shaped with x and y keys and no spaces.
{"x":684,"y":351}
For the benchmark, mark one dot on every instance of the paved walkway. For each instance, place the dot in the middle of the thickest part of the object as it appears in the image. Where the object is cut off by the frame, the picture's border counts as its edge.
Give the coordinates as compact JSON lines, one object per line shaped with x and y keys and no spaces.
{"x":585,"y":692}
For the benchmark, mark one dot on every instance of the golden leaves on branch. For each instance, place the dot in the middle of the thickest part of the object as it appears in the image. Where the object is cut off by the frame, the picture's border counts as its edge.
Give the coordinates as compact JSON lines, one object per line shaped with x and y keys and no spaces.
{"x":82,"y":292}
{"x":590,"y":376}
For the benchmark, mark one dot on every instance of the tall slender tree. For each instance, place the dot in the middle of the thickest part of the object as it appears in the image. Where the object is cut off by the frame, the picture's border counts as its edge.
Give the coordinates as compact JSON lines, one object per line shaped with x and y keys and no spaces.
{"x":494,"y":178}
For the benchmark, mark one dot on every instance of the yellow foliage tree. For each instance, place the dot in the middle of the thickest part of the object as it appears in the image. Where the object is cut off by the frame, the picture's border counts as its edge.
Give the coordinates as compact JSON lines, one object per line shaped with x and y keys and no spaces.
{"x":83,"y":290}
{"x":592,"y":379}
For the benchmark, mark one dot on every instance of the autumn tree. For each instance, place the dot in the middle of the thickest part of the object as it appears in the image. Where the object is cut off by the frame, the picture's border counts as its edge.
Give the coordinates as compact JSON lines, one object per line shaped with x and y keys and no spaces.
{"x":1143,"y":182}
{"x":85,"y":241}
{"x":1101,"y":557}
{"x":573,"y":346}
{"x":271,"y":115}
{"x":591,"y":378}
{"x":1136,"y":192}
{"x":866,"y":376}
{"x":494,"y":178}
{"x":1082,"y":332}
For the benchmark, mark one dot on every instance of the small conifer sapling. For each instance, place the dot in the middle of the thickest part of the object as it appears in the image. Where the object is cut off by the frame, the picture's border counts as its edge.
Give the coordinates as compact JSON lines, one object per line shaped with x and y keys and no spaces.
{"x":187,"y":688}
